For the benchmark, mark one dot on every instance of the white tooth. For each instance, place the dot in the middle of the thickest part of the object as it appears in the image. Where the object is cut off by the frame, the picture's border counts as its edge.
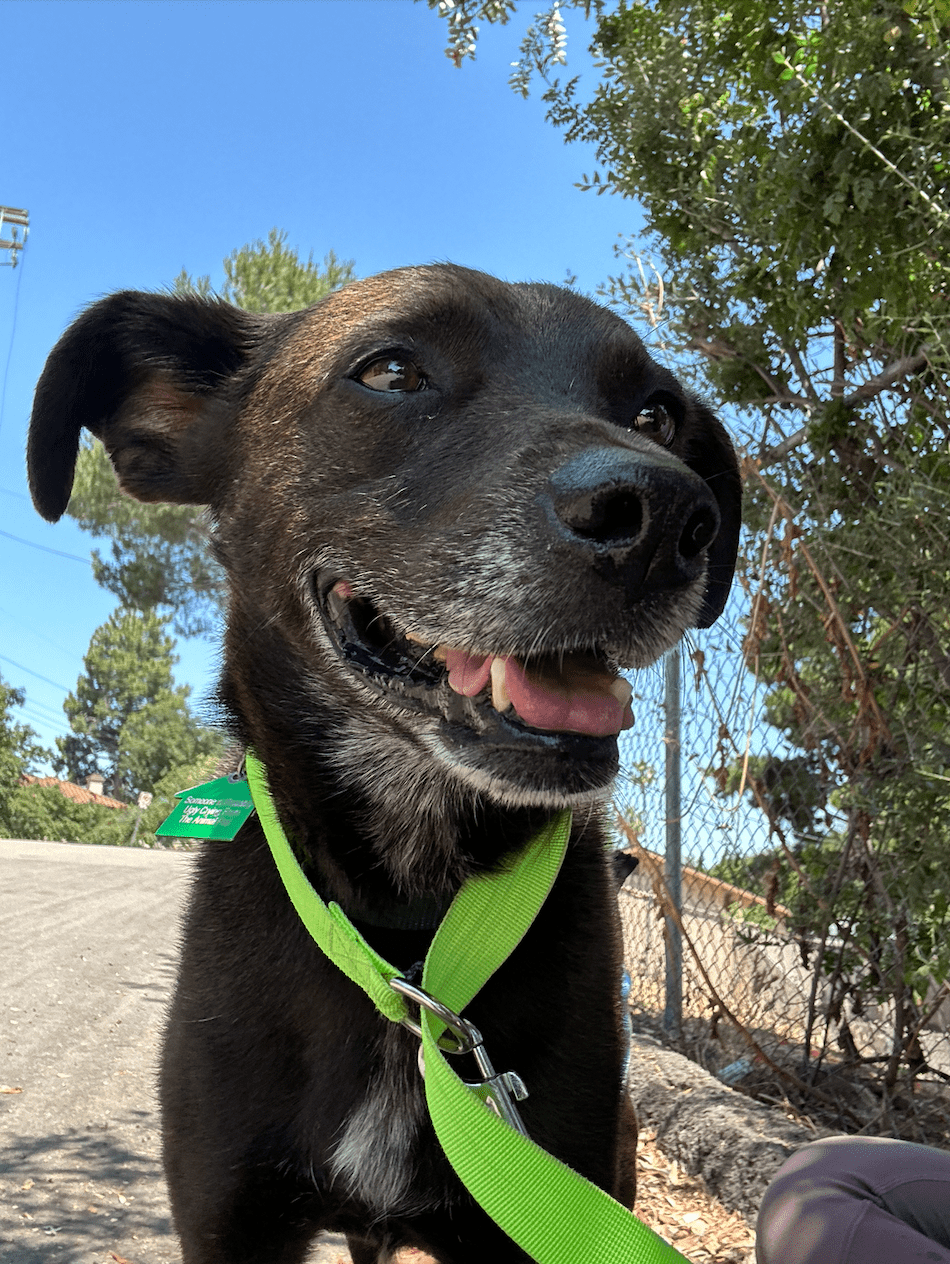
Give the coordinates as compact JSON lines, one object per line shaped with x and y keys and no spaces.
{"x":439,"y":653}
{"x":622,"y":690}
{"x":416,"y":640}
{"x":499,"y":694}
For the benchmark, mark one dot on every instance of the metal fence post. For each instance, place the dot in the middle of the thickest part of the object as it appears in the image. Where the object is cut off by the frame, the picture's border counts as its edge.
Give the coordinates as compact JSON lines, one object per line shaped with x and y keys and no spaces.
{"x":673,"y":869}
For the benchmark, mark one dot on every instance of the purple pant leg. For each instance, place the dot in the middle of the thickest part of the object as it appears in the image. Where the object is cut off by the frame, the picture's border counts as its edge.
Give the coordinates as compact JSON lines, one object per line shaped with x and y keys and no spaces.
{"x":858,"y":1200}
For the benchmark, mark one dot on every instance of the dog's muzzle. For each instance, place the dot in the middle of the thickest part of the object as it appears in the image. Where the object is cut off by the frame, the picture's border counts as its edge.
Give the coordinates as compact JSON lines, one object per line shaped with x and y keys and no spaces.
{"x":645,"y":520}
{"x":561,"y":750}
{"x":572,"y":692}
{"x":633,"y":526}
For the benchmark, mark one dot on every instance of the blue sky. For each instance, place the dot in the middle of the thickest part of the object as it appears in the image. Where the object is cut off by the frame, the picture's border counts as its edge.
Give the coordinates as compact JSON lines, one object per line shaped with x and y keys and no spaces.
{"x":146,"y":137}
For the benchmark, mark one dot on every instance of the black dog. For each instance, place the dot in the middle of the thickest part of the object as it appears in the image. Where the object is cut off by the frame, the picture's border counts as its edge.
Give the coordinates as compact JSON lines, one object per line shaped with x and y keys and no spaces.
{"x":450,"y":510}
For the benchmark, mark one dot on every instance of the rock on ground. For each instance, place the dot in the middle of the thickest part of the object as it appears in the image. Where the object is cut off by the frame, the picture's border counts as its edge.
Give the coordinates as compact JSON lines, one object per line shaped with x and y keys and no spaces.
{"x":734,"y":1143}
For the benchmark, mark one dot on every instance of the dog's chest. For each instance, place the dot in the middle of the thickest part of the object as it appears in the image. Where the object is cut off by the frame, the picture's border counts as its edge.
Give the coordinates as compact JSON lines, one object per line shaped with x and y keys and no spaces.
{"x":375,"y":1159}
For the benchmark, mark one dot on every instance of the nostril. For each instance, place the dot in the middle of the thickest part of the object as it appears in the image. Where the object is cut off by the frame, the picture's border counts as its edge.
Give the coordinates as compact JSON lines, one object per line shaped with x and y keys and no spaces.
{"x":643,"y":512}
{"x":700,"y":530}
{"x":609,"y":515}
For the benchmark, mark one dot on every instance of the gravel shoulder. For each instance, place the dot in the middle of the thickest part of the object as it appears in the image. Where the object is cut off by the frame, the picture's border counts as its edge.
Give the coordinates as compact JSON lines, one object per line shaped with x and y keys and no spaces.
{"x":89,"y":939}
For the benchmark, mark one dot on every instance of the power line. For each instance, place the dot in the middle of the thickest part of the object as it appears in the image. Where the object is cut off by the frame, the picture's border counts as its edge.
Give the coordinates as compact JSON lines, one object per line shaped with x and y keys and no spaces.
{"x":47,"y":715}
{"x":29,"y":670}
{"x":58,"y":552}
{"x":47,"y":721}
{"x":34,"y":632}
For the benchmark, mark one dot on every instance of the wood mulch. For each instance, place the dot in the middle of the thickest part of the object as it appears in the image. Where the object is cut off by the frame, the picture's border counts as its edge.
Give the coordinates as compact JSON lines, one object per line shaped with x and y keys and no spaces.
{"x":679,"y":1209}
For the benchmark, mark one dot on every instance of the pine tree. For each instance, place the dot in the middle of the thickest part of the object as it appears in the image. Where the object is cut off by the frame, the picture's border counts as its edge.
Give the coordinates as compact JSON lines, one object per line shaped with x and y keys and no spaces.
{"x":129,"y":720}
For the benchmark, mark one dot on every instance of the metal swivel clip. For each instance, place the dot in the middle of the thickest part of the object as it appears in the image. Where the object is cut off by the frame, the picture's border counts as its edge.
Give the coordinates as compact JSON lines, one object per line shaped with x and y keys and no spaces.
{"x":498,"y":1090}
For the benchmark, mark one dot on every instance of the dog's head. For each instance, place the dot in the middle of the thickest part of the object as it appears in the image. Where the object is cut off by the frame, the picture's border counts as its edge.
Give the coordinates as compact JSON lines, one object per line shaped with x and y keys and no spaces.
{"x":451,"y":510}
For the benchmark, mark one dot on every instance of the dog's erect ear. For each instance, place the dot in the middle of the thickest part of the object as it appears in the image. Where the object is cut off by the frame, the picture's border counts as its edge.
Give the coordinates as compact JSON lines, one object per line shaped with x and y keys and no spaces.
{"x":151,"y":376}
{"x":713,"y":458}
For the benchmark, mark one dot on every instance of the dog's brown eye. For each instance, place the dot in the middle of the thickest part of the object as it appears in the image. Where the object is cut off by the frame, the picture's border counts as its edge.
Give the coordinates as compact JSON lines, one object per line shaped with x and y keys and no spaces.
{"x":390,"y":373}
{"x":657,"y":424}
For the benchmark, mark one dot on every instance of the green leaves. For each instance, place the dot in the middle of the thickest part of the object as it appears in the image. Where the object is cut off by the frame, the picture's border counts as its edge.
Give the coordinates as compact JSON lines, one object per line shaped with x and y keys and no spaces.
{"x":19,"y":753}
{"x":773,"y":135}
{"x":44,"y":812}
{"x":270,"y":277}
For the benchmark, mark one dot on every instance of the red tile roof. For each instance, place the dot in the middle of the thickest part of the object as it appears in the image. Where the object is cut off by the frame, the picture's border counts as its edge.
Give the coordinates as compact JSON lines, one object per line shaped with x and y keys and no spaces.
{"x":78,"y":794}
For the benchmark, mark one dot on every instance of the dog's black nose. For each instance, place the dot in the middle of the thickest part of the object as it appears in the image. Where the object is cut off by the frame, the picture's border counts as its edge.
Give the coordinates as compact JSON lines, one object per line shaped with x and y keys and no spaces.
{"x":649,"y":513}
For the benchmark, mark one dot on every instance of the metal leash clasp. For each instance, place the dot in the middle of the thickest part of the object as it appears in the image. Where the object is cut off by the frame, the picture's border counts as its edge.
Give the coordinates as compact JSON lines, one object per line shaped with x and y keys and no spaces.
{"x":498,"y":1090}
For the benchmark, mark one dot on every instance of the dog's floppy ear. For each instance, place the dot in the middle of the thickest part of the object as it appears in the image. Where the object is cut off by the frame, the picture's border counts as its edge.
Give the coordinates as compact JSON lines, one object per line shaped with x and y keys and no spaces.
{"x":713,"y":457}
{"x":149,"y":374}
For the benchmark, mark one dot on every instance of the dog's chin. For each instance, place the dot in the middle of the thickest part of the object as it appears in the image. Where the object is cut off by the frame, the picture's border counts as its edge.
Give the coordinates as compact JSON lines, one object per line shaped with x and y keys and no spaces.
{"x":488,"y":748}
{"x":519,"y":767}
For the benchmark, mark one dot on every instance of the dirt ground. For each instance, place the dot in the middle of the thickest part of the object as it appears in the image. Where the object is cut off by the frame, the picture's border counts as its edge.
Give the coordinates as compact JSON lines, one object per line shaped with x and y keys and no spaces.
{"x":88,"y":939}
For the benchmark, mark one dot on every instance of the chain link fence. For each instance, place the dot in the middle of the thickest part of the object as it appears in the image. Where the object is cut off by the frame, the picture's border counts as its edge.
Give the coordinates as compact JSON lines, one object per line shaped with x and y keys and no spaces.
{"x":798,"y":949}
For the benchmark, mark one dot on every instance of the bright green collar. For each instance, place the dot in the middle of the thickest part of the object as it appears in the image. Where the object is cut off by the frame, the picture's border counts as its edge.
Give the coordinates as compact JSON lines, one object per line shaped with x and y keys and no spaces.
{"x":551,"y":1211}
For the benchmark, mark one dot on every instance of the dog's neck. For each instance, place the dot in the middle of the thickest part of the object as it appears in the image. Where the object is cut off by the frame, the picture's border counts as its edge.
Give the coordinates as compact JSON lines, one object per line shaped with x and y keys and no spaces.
{"x":378,"y":826}
{"x":388,"y":863}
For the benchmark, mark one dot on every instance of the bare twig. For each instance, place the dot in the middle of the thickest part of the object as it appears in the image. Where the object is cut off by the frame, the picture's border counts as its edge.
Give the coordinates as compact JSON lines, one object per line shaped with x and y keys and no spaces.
{"x":895,"y":372}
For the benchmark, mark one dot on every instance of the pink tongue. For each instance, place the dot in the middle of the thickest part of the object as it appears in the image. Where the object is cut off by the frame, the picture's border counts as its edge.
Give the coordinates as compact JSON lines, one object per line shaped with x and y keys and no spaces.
{"x":570,"y":710}
{"x":559,"y":706}
{"x":468,"y":673}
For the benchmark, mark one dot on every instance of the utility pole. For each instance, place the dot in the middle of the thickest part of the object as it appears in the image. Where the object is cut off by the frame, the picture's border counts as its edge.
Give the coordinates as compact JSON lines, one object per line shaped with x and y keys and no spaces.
{"x":12,"y":220}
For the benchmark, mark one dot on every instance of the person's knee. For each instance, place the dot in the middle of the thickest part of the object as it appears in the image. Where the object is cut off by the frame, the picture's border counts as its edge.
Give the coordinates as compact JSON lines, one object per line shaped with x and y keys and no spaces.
{"x":807,"y":1198}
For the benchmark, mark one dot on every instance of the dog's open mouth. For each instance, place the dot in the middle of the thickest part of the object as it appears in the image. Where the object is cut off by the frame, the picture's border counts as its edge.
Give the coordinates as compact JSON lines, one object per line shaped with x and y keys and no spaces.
{"x":574,"y":692}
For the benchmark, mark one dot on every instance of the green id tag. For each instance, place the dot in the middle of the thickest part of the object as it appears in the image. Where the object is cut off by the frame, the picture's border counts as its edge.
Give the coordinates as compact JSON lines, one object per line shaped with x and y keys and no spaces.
{"x":216,"y":809}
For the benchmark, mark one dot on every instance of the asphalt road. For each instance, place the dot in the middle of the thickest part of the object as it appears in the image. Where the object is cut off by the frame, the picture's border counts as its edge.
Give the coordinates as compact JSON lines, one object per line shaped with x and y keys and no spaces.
{"x":88,"y":950}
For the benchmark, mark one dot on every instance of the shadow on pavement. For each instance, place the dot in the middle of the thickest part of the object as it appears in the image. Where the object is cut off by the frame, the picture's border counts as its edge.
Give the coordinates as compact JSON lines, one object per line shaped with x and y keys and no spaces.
{"x":81,"y":1196}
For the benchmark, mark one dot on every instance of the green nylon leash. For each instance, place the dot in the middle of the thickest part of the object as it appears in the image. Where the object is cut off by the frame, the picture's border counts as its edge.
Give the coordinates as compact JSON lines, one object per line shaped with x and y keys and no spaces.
{"x":551,"y":1211}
